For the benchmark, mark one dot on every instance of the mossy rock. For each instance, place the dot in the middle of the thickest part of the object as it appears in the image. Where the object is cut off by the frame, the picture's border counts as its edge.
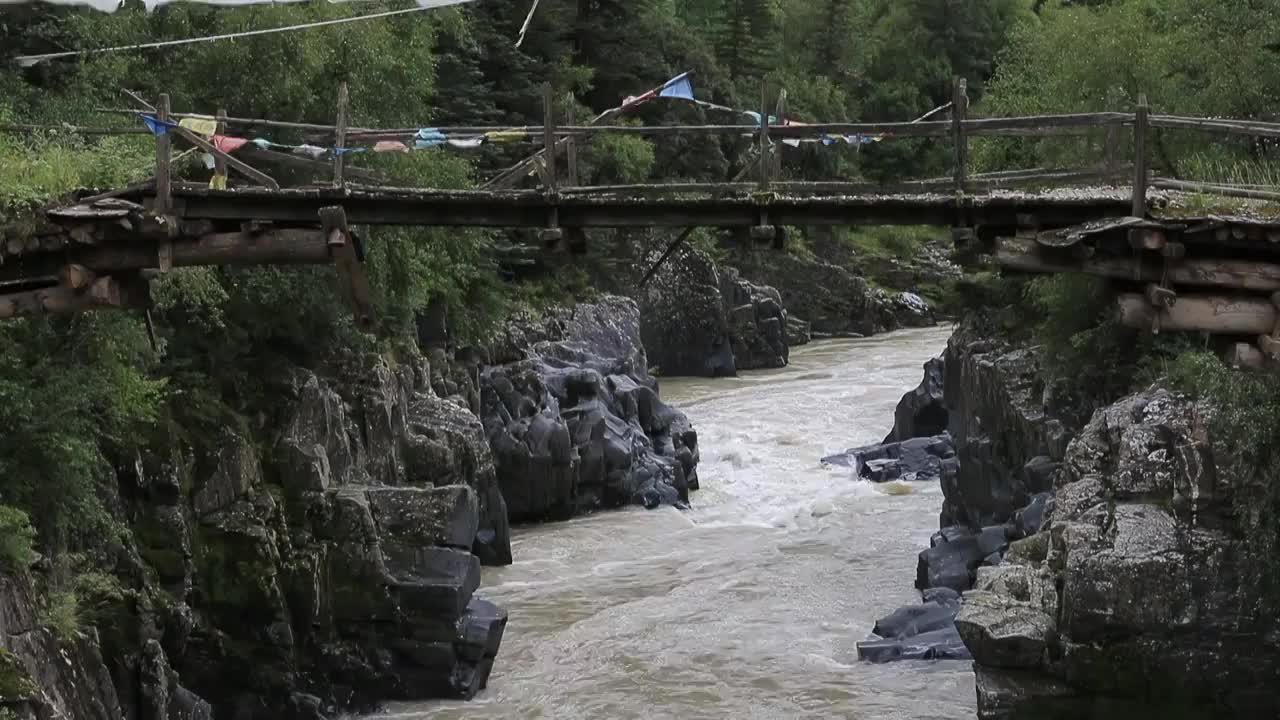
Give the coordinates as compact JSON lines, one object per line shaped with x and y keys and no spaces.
{"x":15,"y":683}
{"x":1029,"y":550}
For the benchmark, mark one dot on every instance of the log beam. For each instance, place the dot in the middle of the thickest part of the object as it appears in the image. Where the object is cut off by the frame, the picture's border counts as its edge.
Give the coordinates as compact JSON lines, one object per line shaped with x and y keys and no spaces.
{"x":1024,"y":256}
{"x":1220,"y":314}
{"x":276,"y":247}
{"x":104,"y":293}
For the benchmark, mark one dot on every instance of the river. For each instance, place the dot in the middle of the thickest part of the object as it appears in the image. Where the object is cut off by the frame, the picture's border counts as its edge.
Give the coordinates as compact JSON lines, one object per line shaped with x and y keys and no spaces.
{"x":750,"y":604}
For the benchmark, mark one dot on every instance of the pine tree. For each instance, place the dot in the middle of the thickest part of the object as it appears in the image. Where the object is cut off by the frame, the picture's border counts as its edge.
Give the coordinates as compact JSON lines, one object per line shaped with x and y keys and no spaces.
{"x":747,"y":40}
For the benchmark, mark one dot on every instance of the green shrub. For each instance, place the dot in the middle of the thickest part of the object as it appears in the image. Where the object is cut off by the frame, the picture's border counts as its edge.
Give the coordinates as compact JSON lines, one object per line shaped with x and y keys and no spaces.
{"x":16,"y":536}
{"x":1246,"y":403}
{"x":61,"y":615}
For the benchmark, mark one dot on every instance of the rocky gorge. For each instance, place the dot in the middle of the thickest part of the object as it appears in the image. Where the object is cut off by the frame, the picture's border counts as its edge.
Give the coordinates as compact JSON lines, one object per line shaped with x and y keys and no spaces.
{"x":1123,"y":566}
{"x":335,"y":544}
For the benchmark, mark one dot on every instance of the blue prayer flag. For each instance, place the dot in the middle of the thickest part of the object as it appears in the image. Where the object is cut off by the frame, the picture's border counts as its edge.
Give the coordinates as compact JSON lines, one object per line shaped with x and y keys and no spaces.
{"x":678,"y":87}
{"x":156,"y":125}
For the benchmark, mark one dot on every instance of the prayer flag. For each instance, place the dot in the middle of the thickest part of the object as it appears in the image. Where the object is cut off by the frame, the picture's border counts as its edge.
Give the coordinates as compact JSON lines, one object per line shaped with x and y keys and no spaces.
{"x":156,"y":125}
{"x":228,"y":144}
{"x":390,"y":146}
{"x":678,"y":87}
{"x":199,"y":126}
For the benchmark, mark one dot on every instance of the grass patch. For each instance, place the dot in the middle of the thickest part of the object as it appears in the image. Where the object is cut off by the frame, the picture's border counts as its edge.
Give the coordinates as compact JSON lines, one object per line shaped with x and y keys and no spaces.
{"x":890,"y":242}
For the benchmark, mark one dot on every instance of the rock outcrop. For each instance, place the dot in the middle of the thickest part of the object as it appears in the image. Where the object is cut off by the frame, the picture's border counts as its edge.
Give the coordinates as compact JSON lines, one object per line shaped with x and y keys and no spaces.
{"x":1152,"y":585}
{"x":321,"y":558}
{"x":1007,"y":439}
{"x":704,"y":320}
{"x":923,"y":411}
{"x":832,"y":299}
{"x":576,"y":424}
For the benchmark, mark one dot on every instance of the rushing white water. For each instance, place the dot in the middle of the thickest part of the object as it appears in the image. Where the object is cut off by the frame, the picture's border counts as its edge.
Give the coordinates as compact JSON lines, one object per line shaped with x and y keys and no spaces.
{"x":749,"y":605}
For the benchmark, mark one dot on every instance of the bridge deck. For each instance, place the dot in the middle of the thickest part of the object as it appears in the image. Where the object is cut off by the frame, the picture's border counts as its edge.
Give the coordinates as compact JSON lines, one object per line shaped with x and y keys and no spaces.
{"x":602,"y":209}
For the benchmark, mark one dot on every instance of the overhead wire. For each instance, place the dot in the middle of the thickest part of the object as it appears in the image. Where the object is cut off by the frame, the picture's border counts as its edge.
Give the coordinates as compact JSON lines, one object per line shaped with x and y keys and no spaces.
{"x":29,"y":60}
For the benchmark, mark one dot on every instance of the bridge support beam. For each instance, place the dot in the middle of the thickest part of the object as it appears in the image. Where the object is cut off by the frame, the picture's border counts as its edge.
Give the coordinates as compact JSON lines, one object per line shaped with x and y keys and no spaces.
{"x":342,"y":247}
{"x":111,"y":292}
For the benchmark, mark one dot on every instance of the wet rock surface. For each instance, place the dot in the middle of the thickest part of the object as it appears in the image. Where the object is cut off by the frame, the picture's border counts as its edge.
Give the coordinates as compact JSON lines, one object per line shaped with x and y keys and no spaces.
{"x":577,"y":425}
{"x":921,"y":458}
{"x":918,"y":632}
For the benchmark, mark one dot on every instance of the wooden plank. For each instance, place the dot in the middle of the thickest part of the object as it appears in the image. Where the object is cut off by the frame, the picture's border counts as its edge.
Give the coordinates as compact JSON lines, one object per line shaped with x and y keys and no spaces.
{"x":1220,"y":314}
{"x":1224,"y":190}
{"x":164,"y":158}
{"x":340,"y":135}
{"x":960,"y":142}
{"x":235,"y":164}
{"x":333,"y":222}
{"x":571,"y":147}
{"x":1111,"y":152}
{"x":766,"y":163}
{"x":27,"y":128}
{"x":220,"y":164}
{"x":1142,"y":157}
{"x":549,"y":137}
{"x":1229,"y":127}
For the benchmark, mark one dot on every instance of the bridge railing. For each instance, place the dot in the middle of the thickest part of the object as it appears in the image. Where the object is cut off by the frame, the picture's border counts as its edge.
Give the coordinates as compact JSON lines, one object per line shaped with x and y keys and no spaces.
{"x":763,"y":174}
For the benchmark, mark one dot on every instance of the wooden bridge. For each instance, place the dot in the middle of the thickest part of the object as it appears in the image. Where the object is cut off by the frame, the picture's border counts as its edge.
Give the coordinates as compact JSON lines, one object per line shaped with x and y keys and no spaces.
{"x":1116,"y":218}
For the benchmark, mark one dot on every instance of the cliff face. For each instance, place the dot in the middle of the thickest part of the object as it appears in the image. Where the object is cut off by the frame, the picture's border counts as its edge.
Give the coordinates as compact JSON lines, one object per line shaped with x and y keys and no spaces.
{"x":576,"y":423}
{"x":832,"y":299}
{"x":704,"y":320}
{"x":1152,"y":586}
{"x":326,"y":558}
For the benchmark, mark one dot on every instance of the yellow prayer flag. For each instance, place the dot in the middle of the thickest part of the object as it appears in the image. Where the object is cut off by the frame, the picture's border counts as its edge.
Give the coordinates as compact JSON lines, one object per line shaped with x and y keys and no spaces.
{"x":217,"y":182}
{"x":505,"y":136}
{"x":200,"y":126}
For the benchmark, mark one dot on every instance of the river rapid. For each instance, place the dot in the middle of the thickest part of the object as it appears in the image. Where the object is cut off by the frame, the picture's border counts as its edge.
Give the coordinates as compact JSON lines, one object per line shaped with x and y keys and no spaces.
{"x":750,"y":604}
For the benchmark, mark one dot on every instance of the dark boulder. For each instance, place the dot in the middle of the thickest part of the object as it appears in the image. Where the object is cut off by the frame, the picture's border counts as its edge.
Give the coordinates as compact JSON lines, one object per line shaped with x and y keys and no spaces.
{"x":577,"y":424}
{"x":923,"y":411}
{"x":757,"y":322}
{"x":917,"y":632}
{"x":921,"y":459}
{"x":955,"y":553}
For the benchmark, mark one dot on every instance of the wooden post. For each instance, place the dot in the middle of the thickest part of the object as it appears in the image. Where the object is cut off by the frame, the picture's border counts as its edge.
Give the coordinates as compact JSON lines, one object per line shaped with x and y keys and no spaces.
{"x":766,"y":162}
{"x":959,"y":113}
{"x":1141,"y":159}
{"x":220,"y":165}
{"x":782,"y":120}
{"x":549,"y":136}
{"x":1112,"y":153}
{"x":571,"y":145}
{"x":164,"y":158}
{"x":333,"y":221}
{"x":340,"y":135}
